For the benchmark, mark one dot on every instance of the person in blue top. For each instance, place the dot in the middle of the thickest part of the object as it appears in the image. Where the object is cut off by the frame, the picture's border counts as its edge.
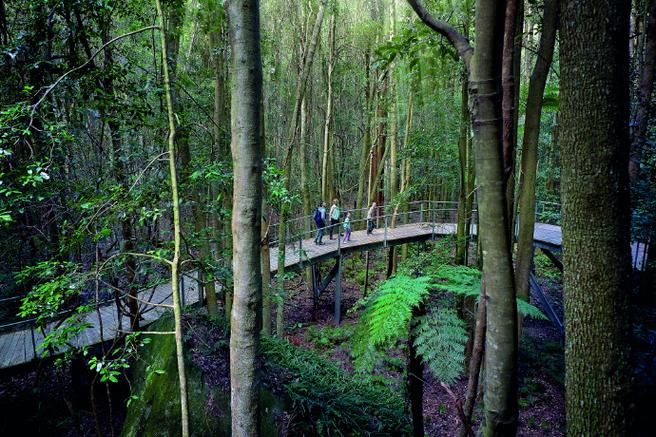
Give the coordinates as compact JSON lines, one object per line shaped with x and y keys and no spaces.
{"x":320,"y":221}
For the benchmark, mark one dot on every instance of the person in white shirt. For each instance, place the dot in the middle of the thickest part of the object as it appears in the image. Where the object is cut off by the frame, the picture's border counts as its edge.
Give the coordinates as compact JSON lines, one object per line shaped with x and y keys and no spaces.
{"x":370,"y":218}
{"x":334,"y":214}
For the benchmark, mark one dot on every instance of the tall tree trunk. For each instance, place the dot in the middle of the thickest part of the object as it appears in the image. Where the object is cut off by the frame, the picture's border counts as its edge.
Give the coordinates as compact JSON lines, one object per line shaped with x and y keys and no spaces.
{"x":536,"y":87}
{"x":510,"y":59}
{"x":393,"y":132}
{"x":415,"y":379}
{"x":366,"y":144}
{"x":327,"y":188}
{"x":641,"y":121}
{"x":596,"y":214}
{"x":500,"y":397}
{"x":265,"y":260}
{"x":245,"y":320}
{"x":177,"y":231}
{"x":463,"y":148}
{"x":303,"y":161}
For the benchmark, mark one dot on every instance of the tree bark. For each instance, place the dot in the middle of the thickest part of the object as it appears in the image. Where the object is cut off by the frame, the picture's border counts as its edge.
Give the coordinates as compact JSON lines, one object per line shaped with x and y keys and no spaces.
{"x":594,"y":92}
{"x":536,"y":88}
{"x":246,"y":320}
{"x":500,"y":397}
{"x":641,"y":121}
{"x":327,"y":188}
{"x":463,"y":149}
{"x":510,"y":60}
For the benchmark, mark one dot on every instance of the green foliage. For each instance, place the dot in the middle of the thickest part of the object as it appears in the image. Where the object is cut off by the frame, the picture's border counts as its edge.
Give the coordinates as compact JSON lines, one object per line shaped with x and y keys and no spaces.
{"x":386,"y":318}
{"x":329,"y":401}
{"x":440,"y":340}
{"x":329,"y":336}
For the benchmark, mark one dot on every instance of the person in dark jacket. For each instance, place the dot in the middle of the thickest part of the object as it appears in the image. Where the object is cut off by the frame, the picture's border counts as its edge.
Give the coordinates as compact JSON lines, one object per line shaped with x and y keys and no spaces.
{"x":320,"y":221}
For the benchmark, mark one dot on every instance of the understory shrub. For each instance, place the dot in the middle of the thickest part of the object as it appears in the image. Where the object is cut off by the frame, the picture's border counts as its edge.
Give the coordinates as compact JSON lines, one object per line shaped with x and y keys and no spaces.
{"x":326,"y":400}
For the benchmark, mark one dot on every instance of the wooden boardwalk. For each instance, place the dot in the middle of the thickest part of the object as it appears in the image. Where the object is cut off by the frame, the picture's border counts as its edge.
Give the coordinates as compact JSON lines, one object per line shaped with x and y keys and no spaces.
{"x":17,"y":347}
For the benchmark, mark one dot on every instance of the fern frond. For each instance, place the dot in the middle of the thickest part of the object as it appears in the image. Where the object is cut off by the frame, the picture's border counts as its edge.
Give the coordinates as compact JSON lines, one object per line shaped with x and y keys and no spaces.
{"x":386,"y":318}
{"x":440,"y":340}
{"x":527,"y":310}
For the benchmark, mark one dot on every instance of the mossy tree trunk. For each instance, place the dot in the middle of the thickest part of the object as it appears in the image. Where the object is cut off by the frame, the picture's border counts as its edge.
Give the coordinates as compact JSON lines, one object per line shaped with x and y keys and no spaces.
{"x":596,"y":220}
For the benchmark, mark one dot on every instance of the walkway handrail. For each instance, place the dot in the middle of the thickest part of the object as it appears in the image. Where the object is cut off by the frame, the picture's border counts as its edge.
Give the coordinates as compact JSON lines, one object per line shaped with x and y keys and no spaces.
{"x":420,"y":211}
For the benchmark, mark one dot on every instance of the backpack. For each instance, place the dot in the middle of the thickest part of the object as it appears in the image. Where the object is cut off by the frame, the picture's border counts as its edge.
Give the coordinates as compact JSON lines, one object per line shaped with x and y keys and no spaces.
{"x":317,"y":216}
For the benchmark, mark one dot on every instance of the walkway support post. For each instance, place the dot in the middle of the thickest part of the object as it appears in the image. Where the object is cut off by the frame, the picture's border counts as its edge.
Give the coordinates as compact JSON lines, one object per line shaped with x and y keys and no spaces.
{"x":385,"y":235}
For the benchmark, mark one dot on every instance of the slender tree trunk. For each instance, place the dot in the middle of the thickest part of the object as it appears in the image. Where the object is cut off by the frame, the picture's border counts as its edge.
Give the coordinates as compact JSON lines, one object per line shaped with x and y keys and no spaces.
{"x":246,"y":320}
{"x":463,"y":148}
{"x":177,"y":231}
{"x":478,"y":349}
{"x":415,"y":381}
{"x":596,"y":214}
{"x":501,"y":339}
{"x":327,"y":189}
{"x":366,"y":145}
{"x":511,"y":55}
{"x":536,"y":87}
{"x":303,"y":161}
{"x":641,"y":121}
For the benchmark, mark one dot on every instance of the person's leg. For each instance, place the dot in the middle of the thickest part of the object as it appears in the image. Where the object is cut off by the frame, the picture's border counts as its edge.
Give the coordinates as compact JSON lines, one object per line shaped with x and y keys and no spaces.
{"x":320,"y":235}
{"x":330,"y":228}
{"x":370,"y":226}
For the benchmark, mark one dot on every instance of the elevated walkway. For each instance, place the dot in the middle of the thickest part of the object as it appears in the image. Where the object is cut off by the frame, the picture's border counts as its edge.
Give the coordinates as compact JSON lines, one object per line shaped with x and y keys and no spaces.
{"x":421,"y":221}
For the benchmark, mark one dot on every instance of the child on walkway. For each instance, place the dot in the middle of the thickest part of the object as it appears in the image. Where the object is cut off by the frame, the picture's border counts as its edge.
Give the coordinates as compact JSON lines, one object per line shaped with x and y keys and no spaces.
{"x":347,"y":227}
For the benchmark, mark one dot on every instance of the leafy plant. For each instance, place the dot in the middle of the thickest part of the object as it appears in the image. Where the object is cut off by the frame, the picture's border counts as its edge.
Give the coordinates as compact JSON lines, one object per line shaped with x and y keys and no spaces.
{"x":441,"y":337}
{"x":329,"y":400}
{"x":386,"y":318}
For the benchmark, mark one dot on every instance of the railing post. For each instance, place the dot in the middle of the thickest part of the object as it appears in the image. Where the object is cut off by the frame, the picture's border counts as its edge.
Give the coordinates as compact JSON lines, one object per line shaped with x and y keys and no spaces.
{"x":33,"y":340}
{"x":385,"y":236}
{"x":300,"y":250}
{"x":421,"y":211}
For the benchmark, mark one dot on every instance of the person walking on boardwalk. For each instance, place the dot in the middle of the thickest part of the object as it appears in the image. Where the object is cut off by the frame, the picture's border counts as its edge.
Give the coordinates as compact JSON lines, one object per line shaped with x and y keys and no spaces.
{"x":370,"y":218}
{"x":334,"y":217}
{"x":347,"y":227}
{"x":320,"y":221}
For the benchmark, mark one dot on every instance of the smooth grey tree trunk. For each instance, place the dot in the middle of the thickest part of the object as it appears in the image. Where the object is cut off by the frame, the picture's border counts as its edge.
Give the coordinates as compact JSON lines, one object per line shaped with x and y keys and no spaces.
{"x":246,"y":119}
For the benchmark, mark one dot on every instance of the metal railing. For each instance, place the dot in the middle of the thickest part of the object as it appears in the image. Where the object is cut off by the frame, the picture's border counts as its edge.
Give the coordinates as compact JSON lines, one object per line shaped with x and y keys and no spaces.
{"x":386,"y":217}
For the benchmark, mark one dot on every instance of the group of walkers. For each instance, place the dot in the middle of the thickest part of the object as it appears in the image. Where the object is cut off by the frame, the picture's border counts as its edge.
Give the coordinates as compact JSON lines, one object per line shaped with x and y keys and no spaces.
{"x":334,"y":215}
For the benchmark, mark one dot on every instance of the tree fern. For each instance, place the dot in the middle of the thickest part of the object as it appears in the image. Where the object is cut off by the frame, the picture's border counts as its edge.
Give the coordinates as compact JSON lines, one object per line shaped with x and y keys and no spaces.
{"x":466,"y":281}
{"x":386,"y":318}
{"x":440,"y":340}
